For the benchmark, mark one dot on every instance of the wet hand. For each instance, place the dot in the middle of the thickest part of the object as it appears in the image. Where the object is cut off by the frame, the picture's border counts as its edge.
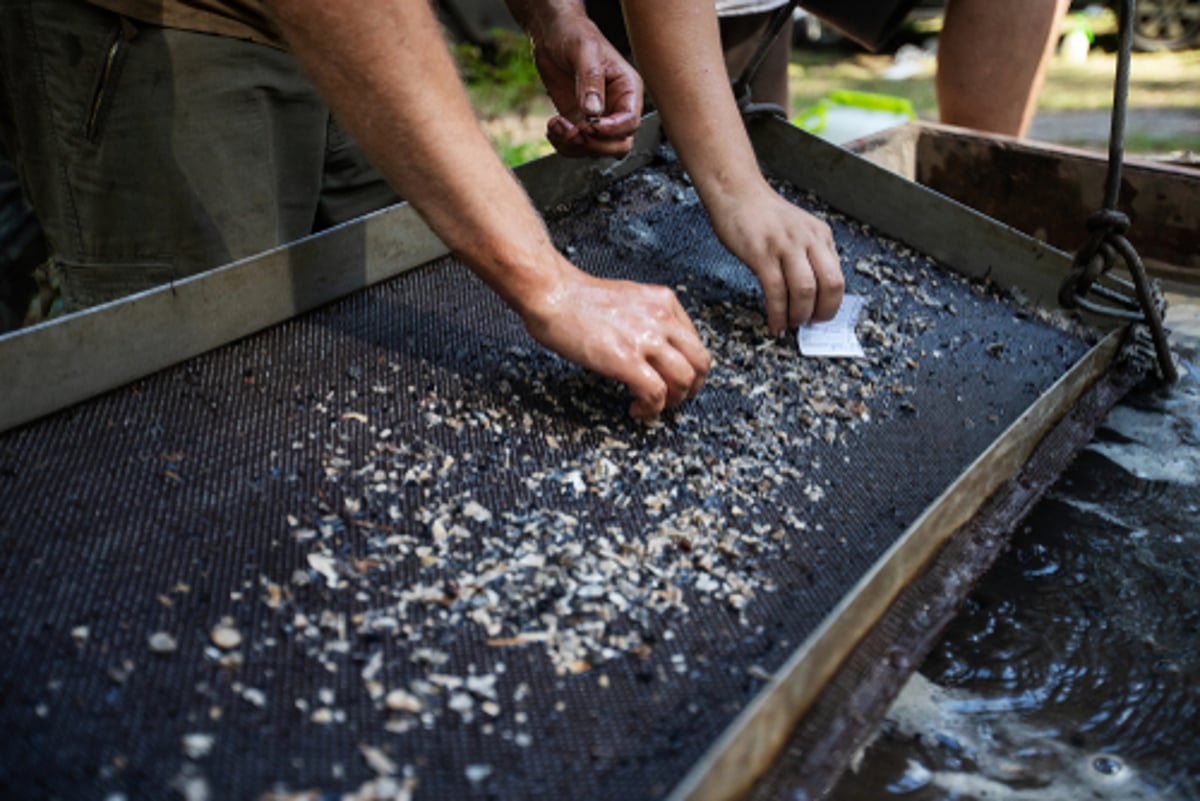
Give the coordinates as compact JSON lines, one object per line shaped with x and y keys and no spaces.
{"x":634,"y":333}
{"x":597,"y":93}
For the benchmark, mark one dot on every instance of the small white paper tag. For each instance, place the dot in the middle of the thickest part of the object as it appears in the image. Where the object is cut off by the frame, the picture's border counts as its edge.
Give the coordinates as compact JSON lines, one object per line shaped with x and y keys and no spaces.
{"x":835,"y":338}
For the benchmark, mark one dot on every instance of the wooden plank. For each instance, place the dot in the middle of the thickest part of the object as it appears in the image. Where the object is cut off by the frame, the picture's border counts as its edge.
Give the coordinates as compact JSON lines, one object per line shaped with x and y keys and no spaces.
{"x":1048,"y":191}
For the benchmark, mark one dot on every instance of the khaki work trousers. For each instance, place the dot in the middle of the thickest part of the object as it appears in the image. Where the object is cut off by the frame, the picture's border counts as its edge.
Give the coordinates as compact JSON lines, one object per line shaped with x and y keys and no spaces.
{"x":150,"y":154}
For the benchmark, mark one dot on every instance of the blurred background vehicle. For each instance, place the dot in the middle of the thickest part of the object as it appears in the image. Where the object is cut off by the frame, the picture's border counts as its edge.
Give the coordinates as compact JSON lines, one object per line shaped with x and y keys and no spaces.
{"x":1167,"y":25}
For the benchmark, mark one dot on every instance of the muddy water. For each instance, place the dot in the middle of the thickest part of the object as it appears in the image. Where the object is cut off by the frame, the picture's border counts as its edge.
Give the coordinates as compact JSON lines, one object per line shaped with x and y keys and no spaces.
{"x":1074,"y":668}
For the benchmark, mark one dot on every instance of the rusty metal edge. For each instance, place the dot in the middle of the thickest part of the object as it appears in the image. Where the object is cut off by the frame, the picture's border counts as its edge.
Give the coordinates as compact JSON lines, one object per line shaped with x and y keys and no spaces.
{"x":754,"y":739}
{"x":976,"y":246}
{"x":846,"y":716}
{"x":56,"y":364}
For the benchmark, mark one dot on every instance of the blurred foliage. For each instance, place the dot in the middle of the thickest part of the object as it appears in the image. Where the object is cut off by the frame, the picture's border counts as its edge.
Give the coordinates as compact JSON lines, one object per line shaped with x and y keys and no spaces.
{"x":507,"y":95}
{"x":502,"y":78}
{"x":514,"y":151}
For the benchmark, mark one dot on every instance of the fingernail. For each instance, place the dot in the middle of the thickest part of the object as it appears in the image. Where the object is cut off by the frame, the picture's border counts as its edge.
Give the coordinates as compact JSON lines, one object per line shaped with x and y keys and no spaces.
{"x":592,"y":103}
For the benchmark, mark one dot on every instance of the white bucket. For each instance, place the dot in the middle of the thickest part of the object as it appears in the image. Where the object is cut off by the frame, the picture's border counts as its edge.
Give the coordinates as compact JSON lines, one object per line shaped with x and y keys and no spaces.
{"x":844,"y":116}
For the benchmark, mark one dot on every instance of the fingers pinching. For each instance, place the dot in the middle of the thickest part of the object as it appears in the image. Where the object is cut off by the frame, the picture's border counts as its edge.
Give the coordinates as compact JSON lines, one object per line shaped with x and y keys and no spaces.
{"x":801,"y":288}
{"x":566,"y":138}
{"x":649,"y":392}
{"x":676,"y":372}
{"x":687,"y":342}
{"x":672,"y":361}
{"x":827,"y":268}
{"x":813,"y":273}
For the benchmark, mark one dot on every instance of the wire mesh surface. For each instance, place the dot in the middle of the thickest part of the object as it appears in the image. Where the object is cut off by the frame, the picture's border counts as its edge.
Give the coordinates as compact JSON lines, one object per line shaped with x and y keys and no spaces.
{"x":392,"y":547}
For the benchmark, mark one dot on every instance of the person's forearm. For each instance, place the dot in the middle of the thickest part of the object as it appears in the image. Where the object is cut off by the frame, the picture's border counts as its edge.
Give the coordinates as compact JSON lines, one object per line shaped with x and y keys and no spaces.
{"x":678,"y":50}
{"x":388,"y":76}
{"x":596,"y":92}
{"x":385,"y":71}
{"x":792,"y":253}
{"x":532,"y":15}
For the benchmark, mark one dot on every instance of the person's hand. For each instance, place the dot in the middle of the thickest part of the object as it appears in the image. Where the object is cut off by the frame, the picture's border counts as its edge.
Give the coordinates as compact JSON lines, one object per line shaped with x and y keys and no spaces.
{"x":598,"y":94}
{"x":790,"y":251}
{"x":634,"y":333}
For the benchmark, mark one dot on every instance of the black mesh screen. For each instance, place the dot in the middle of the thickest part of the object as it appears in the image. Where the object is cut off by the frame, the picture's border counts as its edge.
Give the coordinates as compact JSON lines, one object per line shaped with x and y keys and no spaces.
{"x":450,"y":559}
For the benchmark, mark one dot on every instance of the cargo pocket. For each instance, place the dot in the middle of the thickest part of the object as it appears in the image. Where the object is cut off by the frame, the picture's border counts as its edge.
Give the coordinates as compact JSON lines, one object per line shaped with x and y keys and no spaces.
{"x":107,"y":78}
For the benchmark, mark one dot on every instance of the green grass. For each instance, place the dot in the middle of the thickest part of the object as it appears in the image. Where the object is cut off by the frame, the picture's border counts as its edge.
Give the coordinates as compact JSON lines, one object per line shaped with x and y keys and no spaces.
{"x":518,"y":151}
{"x":811,"y":81}
{"x":507,"y":96}
{"x":503,"y":80}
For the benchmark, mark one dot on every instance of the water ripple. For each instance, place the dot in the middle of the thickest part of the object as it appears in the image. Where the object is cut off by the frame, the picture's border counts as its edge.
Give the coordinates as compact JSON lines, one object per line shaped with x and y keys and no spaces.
{"x":1073,"y":669}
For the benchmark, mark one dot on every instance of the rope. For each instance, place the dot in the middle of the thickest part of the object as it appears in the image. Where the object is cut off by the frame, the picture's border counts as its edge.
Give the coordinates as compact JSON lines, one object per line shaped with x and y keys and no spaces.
{"x":1107,"y":242}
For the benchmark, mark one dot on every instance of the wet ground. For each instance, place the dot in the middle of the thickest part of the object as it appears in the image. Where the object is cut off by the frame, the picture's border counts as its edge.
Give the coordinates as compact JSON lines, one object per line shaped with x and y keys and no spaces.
{"x":1074,"y":668}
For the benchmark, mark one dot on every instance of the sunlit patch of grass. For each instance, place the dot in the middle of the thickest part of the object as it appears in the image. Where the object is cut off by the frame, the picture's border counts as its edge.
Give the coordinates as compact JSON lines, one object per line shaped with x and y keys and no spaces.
{"x":860,"y":74}
{"x":513,"y":152}
{"x":503,"y":80}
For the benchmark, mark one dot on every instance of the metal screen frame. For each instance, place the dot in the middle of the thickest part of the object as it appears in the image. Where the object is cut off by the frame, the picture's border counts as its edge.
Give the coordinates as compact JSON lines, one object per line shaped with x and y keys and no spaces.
{"x":63,"y":362}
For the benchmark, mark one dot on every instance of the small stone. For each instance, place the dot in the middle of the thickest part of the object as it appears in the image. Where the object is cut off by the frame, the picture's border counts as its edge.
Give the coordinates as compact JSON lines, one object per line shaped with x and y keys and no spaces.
{"x":401,"y":701}
{"x":378,"y":761}
{"x":477,"y":512}
{"x":231,"y":660}
{"x":163,"y":643}
{"x":225,"y":636}
{"x":197,"y":745}
{"x":461,"y":703}
{"x":190,"y":785}
{"x":477,"y":773}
